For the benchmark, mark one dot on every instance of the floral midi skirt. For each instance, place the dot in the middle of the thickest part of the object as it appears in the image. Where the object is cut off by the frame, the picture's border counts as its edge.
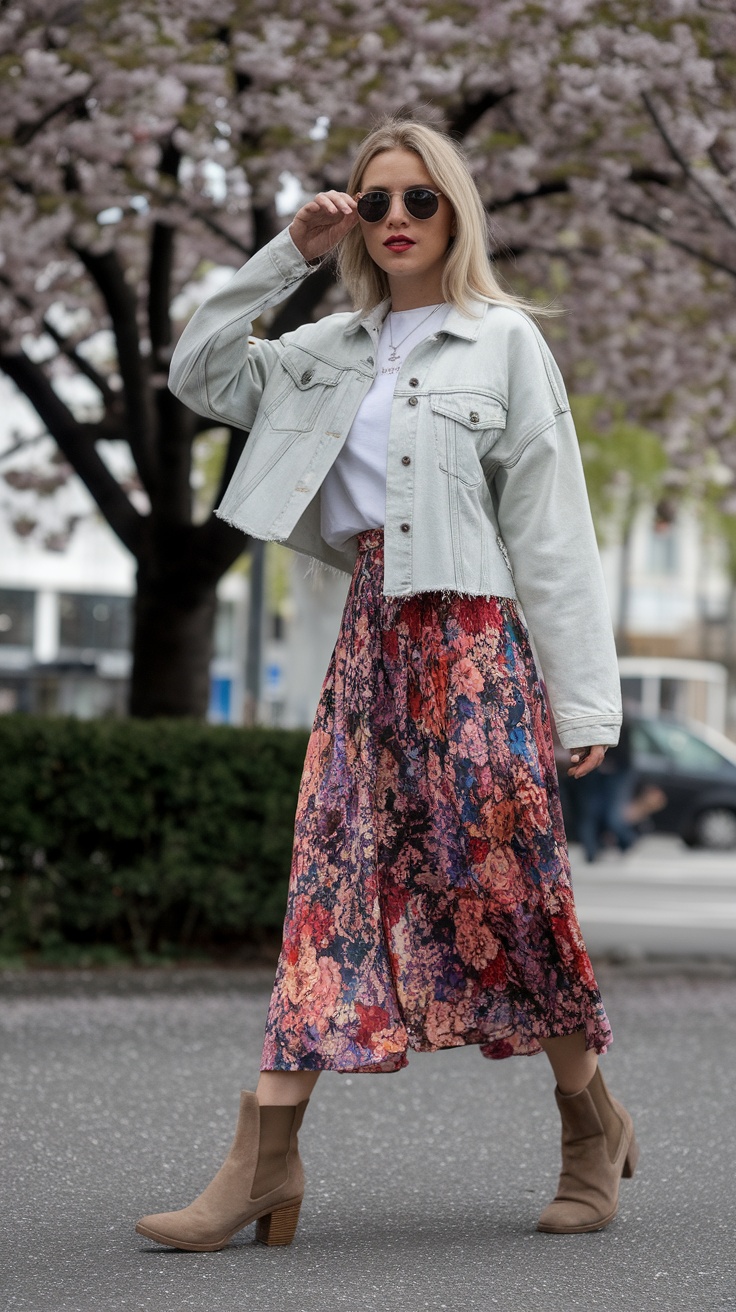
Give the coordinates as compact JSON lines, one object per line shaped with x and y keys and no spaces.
{"x":430,"y":902}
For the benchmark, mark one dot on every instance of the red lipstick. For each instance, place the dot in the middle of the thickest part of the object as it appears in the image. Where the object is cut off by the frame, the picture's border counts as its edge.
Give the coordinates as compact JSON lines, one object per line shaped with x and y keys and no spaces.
{"x":399,"y":243}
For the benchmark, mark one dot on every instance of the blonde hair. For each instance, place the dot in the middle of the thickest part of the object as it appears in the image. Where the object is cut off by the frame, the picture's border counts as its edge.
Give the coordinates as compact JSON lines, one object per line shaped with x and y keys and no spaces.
{"x":468,"y":274}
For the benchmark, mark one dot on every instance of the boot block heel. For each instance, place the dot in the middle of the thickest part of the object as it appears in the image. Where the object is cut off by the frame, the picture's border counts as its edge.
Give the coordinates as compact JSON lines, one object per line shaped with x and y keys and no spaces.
{"x":632,"y":1157}
{"x":279,"y":1226}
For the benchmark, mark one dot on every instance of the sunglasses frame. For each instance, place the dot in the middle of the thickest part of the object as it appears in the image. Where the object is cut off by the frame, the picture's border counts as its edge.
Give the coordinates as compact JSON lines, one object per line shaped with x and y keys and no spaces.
{"x":390,"y":194}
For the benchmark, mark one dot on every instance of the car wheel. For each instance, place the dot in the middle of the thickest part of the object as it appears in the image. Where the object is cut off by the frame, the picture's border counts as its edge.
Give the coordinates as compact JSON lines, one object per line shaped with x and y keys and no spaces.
{"x":716,"y":828}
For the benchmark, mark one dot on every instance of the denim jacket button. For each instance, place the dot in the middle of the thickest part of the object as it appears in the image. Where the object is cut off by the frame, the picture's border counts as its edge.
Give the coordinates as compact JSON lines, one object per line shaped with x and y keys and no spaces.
{"x":413,"y":382}
{"x":474,"y":416}
{"x":413,"y":400}
{"x":405,"y":528}
{"x":307,"y":376}
{"x":406,"y":460}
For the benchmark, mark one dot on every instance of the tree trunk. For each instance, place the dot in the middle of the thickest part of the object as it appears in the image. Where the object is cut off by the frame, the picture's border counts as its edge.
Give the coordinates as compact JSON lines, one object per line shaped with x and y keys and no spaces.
{"x":172,"y":650}
{"x":175,"y":609}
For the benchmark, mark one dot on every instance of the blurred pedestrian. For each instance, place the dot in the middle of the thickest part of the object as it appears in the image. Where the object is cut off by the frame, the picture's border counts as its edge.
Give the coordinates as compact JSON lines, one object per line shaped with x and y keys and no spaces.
{"x":425,"y":445}
{"x":602,"y":799}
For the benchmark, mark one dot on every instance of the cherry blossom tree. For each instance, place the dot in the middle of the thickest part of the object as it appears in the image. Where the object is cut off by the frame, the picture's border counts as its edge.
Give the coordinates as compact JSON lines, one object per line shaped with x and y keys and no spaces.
{"x":143,"y":145}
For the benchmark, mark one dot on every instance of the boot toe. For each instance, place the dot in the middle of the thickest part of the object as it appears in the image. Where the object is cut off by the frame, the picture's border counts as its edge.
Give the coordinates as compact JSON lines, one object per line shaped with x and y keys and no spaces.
{"x":572,"y":1218}
{"x":168,"y":1228}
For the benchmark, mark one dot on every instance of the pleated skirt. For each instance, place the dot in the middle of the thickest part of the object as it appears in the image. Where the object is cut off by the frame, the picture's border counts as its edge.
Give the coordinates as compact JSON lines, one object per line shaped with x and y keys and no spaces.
{"x":430,"y":902}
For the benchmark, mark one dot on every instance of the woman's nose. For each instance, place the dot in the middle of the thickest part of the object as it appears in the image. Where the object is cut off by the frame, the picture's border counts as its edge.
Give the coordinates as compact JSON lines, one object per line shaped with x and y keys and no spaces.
{"x":396,"y":210}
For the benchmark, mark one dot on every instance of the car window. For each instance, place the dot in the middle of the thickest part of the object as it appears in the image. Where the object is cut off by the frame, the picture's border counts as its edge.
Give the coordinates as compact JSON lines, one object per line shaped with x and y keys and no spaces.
{"x":643,"y":744}
{"x":682,"y":747}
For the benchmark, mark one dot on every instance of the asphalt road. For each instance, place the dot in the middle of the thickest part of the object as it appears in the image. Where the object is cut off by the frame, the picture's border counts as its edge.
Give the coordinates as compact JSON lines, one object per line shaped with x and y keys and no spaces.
{"x":118,"y":1097}
{"x":661,"y":898}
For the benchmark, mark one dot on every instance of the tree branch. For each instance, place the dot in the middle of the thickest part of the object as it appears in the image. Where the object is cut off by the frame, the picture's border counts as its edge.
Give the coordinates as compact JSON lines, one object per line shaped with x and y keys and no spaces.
{"x":235,"y":446}
{"x":159,"y":290}
{"x":218,"y":547}
{"x":65,"y":347}
{"x":161,"y":264}
{"x":469,"y":112}
{"x":715,"y":204}
{"x":25,"y":132}
{"x":303,"y":302}
{"x":561,"y":187}
{"x":108,"y":276}
{"x":22,"y":445}
{"x":202,"y":424}
{"x":221,"y":232}
{"x":265,"y":225}
{"x":83,"y":365}
{"x":176,"y":423}
{"x":74,"y":444}
{"x":676,"y":241}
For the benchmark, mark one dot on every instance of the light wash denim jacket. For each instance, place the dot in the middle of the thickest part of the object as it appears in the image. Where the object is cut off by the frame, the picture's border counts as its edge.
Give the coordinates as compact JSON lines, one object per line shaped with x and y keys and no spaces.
{"x":485,"y":490}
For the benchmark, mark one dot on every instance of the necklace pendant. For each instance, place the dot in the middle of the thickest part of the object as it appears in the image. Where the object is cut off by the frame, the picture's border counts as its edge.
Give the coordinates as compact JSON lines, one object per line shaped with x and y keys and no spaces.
{"x":393,"y":356}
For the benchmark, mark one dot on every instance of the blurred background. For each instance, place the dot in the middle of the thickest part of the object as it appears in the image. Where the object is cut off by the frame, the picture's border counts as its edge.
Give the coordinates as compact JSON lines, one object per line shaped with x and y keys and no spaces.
{"x":158,"y":672}
{"x":147,"y":152}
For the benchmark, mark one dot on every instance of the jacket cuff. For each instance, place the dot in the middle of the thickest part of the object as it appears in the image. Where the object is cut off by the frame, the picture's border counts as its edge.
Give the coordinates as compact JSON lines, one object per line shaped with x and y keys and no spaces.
{"x":288,"y":262}
{"x":587,"y":732}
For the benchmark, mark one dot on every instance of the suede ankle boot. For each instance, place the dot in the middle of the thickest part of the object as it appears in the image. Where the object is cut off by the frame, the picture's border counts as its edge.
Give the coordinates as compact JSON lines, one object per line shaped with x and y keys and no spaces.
{"x":261,"y":1179}
{"x":598,"y":1148}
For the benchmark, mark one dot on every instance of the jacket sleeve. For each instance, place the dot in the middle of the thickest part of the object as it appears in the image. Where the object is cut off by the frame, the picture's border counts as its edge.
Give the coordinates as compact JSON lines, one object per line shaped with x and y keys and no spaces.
{"x":545,"y":522}
{"x":218,"y":369}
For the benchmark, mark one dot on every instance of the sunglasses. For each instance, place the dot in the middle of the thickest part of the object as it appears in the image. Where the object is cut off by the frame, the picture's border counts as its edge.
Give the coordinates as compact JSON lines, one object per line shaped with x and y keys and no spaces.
{"x":419,"y":202}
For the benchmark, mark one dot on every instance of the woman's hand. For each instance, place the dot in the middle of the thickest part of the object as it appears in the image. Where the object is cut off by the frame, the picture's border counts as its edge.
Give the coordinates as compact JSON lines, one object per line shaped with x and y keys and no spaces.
{"x":585,"y":759}
{"x":322,"y":223}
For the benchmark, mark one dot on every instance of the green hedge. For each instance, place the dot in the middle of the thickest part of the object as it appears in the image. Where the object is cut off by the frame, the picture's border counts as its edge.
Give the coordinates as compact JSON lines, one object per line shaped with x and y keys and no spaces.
{"x":142,"y":837}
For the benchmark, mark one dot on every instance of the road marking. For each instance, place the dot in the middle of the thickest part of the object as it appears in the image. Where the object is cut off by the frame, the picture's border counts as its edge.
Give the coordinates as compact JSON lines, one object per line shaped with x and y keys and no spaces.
{"x":713,"y":916}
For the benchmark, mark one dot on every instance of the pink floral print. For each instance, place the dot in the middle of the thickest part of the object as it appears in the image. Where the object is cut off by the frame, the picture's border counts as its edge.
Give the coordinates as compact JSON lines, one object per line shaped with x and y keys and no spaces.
{"x":430,"y":902}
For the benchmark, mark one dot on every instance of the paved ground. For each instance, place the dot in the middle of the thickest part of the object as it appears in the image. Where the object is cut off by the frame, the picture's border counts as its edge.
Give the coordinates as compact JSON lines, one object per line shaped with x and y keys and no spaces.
{"x":118,"y":1097}
{"x":661,"y":898}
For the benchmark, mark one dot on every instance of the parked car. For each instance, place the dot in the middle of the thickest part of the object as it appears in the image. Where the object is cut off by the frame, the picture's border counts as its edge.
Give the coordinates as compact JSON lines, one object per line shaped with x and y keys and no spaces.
{"x":695,"y":768}
{"x":689,"y":772}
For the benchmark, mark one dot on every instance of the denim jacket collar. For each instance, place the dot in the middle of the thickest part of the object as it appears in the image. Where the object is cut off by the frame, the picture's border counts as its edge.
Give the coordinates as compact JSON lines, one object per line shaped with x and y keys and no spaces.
{"x":456,"y":324}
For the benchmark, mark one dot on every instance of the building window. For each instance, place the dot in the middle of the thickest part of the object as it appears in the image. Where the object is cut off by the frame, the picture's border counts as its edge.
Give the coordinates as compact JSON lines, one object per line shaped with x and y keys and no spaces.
{"x":16,"y":617}
{"x":94,"y":622}
{"x":663,"y":554}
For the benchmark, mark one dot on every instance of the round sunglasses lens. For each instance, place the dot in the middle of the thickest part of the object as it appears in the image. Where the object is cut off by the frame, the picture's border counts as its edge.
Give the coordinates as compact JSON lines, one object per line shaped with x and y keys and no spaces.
{"x":421,"y":203}
{"x":373,"y":205}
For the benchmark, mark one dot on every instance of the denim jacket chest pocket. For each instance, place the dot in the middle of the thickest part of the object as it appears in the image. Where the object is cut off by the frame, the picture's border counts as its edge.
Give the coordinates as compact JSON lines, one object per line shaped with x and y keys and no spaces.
{"x":466,"y":425}
{"x":303,"y":387}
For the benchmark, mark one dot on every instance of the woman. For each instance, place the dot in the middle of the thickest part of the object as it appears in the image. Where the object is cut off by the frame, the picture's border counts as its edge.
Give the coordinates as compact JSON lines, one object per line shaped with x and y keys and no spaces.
{"x":424,"y":444}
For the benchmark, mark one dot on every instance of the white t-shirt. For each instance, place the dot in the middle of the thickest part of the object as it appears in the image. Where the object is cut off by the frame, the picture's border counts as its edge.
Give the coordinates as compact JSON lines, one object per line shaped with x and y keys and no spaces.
{"x":353,"y":495}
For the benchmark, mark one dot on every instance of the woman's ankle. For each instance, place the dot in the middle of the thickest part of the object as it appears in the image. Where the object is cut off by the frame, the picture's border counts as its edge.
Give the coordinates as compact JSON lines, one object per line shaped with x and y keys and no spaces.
{"x":285,"y":1088}
{"x":573,"y":1064}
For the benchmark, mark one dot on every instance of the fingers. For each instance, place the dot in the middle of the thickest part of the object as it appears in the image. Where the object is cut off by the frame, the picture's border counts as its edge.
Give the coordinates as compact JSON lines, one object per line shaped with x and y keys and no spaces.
{"x":321,"y":223}
{"x":335,"y":203}
{"x":585,"y":759}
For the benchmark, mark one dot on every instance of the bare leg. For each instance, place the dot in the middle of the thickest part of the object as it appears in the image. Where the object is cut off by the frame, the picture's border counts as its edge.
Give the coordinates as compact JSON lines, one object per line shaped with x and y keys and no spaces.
{"x":573,"y":1064}
{"x":285,"y":1088}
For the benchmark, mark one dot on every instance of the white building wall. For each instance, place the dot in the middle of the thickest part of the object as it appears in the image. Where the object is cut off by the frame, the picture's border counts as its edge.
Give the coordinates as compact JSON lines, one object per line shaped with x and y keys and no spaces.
{"x":317,"y":601}
{"x":676,"y":576}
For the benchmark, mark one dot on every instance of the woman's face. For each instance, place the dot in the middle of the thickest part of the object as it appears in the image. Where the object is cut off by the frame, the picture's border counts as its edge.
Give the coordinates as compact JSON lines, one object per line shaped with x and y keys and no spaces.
{"x":410,"y":251}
